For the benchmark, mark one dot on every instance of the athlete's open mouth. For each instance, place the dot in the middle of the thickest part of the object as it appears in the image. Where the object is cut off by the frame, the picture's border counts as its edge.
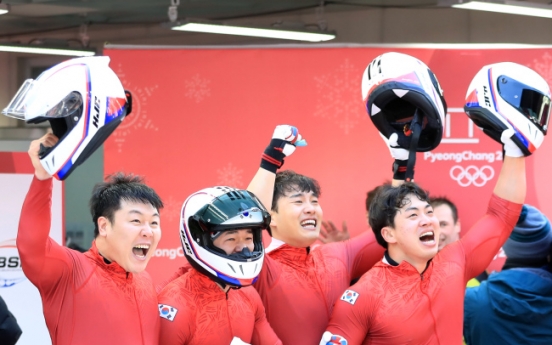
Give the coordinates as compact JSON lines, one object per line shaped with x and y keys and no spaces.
{"x":427,"y":237}
{"x":309,"y":224}
{"x":141,"y":250}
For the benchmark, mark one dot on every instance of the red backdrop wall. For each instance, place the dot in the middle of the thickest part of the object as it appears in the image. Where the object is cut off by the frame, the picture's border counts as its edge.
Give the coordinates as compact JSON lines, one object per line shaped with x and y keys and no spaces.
{"x":202,"y":117}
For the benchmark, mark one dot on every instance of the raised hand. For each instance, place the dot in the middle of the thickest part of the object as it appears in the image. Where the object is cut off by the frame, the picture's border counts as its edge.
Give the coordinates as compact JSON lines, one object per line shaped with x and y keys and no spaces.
{"x":396,"y":151}
{"x":511,"y":149}
{"x":283,"y":143}
{"x":330,"y":233}
{"x":48,"y":140}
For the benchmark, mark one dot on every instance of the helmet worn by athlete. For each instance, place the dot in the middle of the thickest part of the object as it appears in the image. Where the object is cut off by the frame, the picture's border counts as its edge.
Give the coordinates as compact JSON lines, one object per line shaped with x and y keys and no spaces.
{"x":207,"y":213}
{"x":82,"y":99}
{"x":406,"y":104}
{"x":508,"y":96}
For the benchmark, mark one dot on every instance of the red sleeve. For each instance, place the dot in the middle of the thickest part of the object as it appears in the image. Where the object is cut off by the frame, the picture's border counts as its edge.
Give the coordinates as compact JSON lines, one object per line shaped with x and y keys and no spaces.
{"x":178,"y":331}
{"x":485,"y":238}
{"x":43,"y":260}
{"x":270,"y":273}
{"x":362,"y":252}
{"x":263,"y":334}
{"x":179,"y":272}
{"x":349,"y":321}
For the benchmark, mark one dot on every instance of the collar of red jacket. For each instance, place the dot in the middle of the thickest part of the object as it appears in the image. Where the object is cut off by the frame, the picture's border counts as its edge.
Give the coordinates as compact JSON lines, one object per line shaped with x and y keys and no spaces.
{"x":292,"y":256}
{"x":113,"y":268}
{"x":405,"y":267}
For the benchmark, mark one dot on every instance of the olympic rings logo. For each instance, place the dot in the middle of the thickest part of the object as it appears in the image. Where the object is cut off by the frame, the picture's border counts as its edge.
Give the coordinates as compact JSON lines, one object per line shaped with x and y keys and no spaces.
{"x":472,"y":175}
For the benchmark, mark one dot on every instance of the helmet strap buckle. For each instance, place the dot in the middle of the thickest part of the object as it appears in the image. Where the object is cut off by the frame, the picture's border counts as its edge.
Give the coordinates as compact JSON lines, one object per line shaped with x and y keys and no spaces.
{"x":416,"y":130}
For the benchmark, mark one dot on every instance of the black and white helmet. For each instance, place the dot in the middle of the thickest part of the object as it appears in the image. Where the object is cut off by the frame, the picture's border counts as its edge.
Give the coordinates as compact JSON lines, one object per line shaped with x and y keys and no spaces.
{"x":217,"y":209}
{"x":395,"y":88}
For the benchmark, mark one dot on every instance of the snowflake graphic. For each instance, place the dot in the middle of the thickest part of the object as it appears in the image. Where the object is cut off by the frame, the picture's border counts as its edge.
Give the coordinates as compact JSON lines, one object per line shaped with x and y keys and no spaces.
{"x":337,"y":99}
{"x":138,"y":119}
{"x":230,"y":176}
{"x":171,"y":209}
{"x":197,"y":88}
{"x":543,"y":67}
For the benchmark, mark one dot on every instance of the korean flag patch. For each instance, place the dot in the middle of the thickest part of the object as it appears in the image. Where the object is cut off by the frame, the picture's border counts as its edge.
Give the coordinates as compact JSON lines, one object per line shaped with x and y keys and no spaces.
{"x":349,"y":296}
{"x":167,"y":312}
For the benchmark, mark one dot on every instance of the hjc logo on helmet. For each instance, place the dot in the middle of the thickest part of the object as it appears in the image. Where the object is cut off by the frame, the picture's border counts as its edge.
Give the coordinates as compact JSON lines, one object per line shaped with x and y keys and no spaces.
{"x":96,"y":117}
{"x":486,"y":96}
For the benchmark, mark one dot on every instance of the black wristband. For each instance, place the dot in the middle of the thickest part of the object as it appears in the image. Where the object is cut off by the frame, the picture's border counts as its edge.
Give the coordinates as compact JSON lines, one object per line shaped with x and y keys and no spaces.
{"x":399,"y":169}
{"x":273,"y":157}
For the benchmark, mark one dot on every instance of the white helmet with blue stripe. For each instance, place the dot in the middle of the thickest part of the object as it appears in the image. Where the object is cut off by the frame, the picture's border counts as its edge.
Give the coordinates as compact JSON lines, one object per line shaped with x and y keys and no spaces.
{"x":82,"y":99}
{"x":508,"y":95}
{"x":210,"y":211}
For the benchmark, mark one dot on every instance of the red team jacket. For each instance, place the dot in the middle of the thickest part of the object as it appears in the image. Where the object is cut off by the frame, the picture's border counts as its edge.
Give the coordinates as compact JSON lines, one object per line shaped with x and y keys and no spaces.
{"x":195,"y":311}
{"x":85,"y":300}
{"x":397,"y":305}
{"x":299,"y":289}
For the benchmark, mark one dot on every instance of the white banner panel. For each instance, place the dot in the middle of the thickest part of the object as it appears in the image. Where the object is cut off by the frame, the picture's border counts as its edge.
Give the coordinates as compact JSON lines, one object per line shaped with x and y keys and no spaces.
{"x":20,"y":295}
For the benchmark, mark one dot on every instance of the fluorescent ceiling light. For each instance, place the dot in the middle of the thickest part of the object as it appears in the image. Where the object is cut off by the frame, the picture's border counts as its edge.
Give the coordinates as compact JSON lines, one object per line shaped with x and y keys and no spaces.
{"x":45,"y":50}
{"x":511,"y":7}
{"x":255,"y":32}
{"x":4,"y":8}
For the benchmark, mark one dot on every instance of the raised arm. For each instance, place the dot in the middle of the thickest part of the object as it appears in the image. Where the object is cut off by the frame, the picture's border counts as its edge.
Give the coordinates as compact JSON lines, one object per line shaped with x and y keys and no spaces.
{"x":262,"y":185}
{"x":43,"y":260}
{"x":486,"y":237}
{"x":511,"y":184}
{"x":511,"y":103}
{"x":362,"y":252}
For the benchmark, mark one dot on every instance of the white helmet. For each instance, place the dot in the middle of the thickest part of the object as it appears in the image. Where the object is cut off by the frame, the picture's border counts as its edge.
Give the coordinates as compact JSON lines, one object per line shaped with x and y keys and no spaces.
{"x":84,"y":102}
{"x":211,"y":210}
{"x":395,"y":88}
{"x":507,"y":95}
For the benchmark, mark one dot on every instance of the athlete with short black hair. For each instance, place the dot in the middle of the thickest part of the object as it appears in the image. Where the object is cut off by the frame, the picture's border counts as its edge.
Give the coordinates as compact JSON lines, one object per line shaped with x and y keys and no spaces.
{"x":298,"y":286}
{"x":107,"y":285}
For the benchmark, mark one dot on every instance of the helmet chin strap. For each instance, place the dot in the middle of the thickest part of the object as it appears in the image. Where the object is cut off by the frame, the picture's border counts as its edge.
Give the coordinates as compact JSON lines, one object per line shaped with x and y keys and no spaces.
{"x":416,"y":128}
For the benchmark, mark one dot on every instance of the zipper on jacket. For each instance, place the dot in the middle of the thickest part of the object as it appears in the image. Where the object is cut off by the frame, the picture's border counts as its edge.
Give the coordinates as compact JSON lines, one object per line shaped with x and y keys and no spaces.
{"x":228,"y":316}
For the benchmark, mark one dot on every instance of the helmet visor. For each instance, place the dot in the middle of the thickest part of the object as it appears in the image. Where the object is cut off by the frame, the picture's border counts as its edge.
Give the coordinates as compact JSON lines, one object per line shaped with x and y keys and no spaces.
{"x":530,"y":102}
{"x":29,"y":103}
{"x":233,"y":210}
{"x":16,"y":107}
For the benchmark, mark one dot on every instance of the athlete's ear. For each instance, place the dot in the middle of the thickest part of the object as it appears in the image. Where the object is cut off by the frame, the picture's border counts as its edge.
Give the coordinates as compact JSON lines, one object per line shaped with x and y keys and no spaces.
{"x":103,"y":224}
{"x":388,"y":234}
{"x":273,"y":221}
{"x":457,"y":227}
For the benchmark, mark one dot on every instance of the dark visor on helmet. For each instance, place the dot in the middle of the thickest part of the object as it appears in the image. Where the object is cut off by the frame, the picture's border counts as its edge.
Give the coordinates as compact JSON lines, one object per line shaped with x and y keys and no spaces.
{"x":527,"y":100}
{"x":233,"y":210}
